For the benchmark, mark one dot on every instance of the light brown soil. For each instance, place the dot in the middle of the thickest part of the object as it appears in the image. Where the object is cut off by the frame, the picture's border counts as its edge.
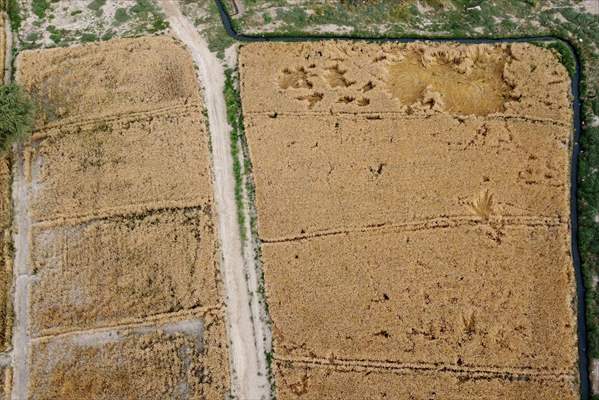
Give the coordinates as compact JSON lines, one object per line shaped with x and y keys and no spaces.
{"x":115,"y":77}
{"x":120,"y":189}
{"x":245,"y":325}
{"x":142,"y":363}
{"x":413,"y":207}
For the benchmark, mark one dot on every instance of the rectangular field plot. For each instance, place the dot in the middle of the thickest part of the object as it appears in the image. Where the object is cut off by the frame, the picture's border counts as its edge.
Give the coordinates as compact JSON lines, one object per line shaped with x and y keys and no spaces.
{"x":154,"y":160}
{"x":120,"y":229}
{"x":183,"y":360}
{"x":114,"y":77}
{"x":349,"y":173}
{"x":351,"y":382}
{"x":102,"y":272}
{"x":413,"y":208}
{"x":461,"y":295}
{"x":416,"y":78}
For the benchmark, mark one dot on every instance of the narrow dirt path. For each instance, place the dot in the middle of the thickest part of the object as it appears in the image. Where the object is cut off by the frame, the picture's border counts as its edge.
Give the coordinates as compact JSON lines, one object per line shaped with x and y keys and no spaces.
{"x":249,"y":375}
{"x":21,"y":233}
{"x":240,"y":7}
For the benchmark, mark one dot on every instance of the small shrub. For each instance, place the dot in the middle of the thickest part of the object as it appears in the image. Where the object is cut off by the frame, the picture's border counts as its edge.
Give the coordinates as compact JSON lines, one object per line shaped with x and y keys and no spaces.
{"x":89,"y":37}
{"x":96,"y":5}
{"x":39,"y":7}
{"x":143,"y":7}
{"x":121,"y":16}
{"x":17,"y":114}
{"x":14,"y":14}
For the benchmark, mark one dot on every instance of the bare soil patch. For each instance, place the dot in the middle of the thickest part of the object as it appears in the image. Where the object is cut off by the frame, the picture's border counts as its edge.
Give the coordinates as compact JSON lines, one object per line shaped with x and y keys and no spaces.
{"x":413,"y":207}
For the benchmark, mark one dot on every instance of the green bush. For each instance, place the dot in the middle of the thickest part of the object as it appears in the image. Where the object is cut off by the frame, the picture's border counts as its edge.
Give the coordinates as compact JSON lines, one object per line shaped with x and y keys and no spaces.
{"x":40,"y":7}
{"x":121,"y":16}
{"x":14,"y":14}
{"x":17,"y":114}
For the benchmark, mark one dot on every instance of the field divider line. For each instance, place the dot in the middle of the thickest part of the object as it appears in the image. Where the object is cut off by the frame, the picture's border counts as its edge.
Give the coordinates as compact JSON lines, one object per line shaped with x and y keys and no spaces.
{"x":397,"y":115}
{"x":473,"y":372}
{"x":160,"y":320}
{"x":184,"y":109}
{"x":428,"y":224}
{"x":120,"y":211}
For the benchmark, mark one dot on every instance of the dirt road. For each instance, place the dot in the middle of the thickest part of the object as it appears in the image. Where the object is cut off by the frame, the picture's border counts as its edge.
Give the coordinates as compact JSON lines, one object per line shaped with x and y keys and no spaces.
{"x":249,"y":375}
{"x":21,"y":340}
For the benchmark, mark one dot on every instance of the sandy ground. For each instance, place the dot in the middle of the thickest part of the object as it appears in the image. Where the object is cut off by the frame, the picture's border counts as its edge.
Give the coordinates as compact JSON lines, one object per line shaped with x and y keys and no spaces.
{"x":240,"y":7}
{"x":592,"y":6}
{"x":22,"y":223}
{"x":249,"y":377}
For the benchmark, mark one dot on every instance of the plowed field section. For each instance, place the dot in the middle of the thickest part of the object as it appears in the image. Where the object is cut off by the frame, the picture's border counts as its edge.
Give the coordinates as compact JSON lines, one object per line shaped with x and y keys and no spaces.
{"x":413,"y":208}
{"x":124,"y":298}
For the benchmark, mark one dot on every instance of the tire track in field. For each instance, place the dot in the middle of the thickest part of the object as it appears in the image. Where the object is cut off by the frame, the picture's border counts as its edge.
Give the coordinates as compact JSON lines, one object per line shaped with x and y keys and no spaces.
{"x":470,"y":372}
{"x":427,"y":224}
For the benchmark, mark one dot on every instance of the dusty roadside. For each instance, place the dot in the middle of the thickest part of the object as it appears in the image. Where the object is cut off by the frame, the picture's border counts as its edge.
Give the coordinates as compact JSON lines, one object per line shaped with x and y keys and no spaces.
{"x":249,"y":375}
{"x":21,"y":235}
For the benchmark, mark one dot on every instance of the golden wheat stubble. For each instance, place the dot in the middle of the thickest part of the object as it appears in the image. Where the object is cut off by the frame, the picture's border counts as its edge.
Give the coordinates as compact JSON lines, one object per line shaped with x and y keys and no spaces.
{"x":150,"y":161}
{"x":142,"y":274}
{"x":115,"y":77}
{"x":122,"y":226}
{"x":149,"y":363}
{"x":413,"y":203}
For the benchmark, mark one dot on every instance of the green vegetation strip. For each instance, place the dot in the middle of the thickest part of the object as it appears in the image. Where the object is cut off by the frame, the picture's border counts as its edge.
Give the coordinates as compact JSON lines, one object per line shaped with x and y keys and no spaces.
{"x":233,"y":102}
{"x":239,"y":148}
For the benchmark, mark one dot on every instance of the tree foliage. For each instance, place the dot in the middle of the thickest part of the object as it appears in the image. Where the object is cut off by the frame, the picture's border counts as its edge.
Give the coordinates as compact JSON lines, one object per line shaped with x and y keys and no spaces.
{"x":16,"y":115}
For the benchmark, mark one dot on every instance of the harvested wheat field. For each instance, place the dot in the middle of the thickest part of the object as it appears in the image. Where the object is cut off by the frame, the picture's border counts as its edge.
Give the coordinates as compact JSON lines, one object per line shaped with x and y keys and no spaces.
{"x":124,"y":290}
{"x":413,"y":208}
{"x":6,"y":264}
